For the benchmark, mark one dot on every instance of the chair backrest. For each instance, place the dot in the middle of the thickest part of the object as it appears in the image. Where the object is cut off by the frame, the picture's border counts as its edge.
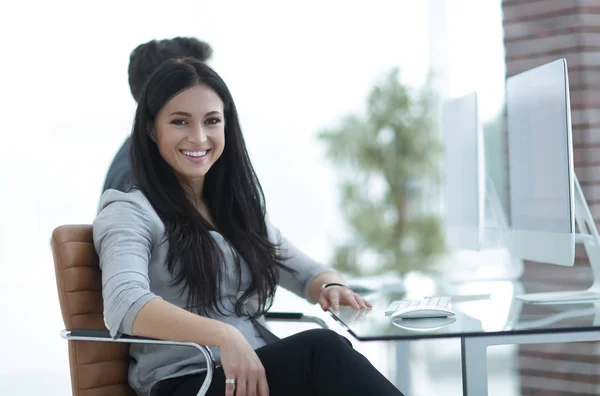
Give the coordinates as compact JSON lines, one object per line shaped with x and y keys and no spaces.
{"x":97,"y":368}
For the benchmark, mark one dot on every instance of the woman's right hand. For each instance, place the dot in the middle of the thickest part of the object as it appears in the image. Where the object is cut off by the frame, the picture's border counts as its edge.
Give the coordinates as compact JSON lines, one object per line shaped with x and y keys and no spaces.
{"x":240,"y":362}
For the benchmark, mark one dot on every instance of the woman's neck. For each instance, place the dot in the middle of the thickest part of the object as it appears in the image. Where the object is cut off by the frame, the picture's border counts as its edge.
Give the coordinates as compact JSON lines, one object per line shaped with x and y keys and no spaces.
{"x":196,"y":197}
{"x":204,"y":211}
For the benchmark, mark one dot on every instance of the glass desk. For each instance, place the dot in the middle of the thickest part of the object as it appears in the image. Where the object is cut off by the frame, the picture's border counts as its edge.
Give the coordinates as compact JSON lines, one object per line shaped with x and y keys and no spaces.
{"x":481,"y":321}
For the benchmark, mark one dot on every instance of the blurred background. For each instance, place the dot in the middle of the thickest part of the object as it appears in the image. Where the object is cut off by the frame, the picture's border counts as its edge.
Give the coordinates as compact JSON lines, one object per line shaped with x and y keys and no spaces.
{"x":303,"y":74}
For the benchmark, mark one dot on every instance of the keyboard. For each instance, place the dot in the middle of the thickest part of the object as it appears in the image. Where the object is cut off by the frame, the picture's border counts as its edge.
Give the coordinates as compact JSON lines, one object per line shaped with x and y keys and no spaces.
{"x":430,"y":307}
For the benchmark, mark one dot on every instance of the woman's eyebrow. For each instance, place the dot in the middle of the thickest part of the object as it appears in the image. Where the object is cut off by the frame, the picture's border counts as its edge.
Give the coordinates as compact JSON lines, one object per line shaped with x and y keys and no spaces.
{"x":181,"y":113}
{"x":212,"y":113}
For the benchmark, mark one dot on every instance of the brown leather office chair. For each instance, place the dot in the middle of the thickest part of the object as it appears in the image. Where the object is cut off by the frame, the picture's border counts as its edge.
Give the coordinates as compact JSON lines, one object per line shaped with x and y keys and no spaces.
{"x":99,"y":364}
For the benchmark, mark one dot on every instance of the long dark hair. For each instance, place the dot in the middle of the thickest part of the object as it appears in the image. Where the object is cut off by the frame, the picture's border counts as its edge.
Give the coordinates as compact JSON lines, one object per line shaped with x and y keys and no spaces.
{"x":231,"y":191}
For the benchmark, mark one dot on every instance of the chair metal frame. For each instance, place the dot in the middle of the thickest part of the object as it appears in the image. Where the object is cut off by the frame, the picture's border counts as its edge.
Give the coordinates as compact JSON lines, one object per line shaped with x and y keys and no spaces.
{"x":104,"y":336}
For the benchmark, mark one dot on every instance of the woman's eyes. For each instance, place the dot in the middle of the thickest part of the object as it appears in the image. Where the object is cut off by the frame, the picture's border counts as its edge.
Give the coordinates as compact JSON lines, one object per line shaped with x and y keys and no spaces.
{"x":210,"y":121}
{"x":213,"y":121}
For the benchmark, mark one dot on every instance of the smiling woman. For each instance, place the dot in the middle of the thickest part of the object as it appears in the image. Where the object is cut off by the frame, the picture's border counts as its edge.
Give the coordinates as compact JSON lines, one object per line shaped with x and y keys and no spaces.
{"x":189,"y":255}
{"x":190,"y":134}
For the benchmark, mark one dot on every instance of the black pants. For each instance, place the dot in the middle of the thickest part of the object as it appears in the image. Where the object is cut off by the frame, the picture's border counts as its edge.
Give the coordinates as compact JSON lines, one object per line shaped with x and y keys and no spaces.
{"x":314,"y":362}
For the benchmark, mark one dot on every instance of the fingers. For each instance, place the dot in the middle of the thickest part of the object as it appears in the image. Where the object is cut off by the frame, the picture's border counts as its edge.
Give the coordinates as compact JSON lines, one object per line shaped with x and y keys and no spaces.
{"x":251,"y":385}
{"x":323,"y":302}
{"x":334,"y":299}
{"x":364,"y":304}
{"x":229,"y":389}
{"x":242,"y":366}
{"x":354,"y":300}
{"x":239,"y":387}
{"x":230,"y":373}
{"x":255,"y":383}
{"x":263,"y":386}
{"x":360,"y":302}
{"x":348,"y":297}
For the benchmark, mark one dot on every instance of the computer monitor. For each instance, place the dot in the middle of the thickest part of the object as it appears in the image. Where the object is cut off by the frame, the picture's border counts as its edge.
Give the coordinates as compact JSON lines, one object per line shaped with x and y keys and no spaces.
{"x":463,"y":174}
{"x":549,"y":213}
{"x":540,"y":152}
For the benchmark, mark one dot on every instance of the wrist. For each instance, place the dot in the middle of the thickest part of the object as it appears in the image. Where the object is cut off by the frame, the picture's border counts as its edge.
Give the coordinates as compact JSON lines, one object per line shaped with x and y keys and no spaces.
{"x":224,"y":333}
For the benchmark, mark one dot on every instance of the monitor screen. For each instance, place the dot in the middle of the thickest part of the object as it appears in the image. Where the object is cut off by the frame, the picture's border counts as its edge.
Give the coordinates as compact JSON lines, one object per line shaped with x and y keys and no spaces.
{"x":539,"y":149}
{"x":463,"y":173}
{"x":540,"y":159}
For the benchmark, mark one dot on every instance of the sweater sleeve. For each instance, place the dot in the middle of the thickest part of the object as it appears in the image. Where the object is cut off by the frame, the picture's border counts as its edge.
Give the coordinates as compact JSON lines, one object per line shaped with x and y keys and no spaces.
{"x":123,"y":240}
{"x":305,"y":268}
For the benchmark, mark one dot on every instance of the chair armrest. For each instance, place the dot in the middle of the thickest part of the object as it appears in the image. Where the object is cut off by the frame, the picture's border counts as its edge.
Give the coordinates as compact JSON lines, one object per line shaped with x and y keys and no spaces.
{"x":104,"y":336}
{"x":295,"y":317}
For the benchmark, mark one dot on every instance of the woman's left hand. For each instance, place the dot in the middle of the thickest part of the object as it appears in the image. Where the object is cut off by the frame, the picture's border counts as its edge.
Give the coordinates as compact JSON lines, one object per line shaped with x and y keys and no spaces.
{"x":334,"y":296}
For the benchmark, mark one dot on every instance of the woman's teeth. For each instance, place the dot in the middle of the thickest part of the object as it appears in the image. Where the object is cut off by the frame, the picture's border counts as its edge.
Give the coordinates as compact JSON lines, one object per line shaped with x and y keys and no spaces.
{"x":195,"y":153}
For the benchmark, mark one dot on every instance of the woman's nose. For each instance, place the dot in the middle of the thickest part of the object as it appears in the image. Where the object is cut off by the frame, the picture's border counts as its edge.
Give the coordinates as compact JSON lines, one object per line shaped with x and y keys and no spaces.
{"x":198,"y":135}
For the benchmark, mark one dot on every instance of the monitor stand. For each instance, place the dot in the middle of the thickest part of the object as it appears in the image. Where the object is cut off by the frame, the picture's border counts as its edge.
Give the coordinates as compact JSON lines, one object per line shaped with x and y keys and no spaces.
{"x":493,"y":262}
{"x":497,"y":234}
{"x":589,"y":237}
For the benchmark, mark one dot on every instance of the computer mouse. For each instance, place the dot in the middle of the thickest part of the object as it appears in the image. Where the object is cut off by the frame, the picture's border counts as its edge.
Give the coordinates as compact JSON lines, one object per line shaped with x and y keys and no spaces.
{"x":422,"y":311}
{"x":424,"y":324}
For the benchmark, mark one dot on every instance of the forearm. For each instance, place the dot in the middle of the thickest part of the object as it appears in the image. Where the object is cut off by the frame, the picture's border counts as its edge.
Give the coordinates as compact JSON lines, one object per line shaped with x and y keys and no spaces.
{"x":318,"y":281}
{"x":164,"y":321}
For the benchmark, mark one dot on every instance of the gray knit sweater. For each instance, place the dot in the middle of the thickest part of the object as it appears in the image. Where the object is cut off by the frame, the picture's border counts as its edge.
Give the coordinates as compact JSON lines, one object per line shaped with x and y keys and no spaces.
{"x":128,"y":236}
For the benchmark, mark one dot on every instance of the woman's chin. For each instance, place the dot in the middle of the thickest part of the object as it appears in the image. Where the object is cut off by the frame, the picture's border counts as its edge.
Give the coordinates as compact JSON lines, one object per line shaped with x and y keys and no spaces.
{"x":193,"y":176}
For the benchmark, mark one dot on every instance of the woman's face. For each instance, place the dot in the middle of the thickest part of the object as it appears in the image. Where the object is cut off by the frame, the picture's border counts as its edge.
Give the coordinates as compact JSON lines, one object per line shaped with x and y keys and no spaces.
{"x":190,"y":132}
